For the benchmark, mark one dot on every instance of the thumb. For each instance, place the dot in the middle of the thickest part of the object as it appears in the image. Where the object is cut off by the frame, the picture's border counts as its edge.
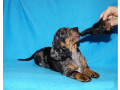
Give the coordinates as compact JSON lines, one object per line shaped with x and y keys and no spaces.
{"x":114,"y":22}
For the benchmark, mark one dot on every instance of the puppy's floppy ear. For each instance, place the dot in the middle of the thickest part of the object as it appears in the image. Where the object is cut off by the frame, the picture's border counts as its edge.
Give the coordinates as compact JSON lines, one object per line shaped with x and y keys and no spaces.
{"x":59,"y":37}
{"x":59,"y":52}
{"x":56,"y":41}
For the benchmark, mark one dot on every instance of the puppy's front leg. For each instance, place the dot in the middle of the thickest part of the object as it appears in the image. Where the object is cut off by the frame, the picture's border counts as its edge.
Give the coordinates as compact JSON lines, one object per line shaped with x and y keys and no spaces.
{"x":91,"y":73}
{"x":70,"y":72}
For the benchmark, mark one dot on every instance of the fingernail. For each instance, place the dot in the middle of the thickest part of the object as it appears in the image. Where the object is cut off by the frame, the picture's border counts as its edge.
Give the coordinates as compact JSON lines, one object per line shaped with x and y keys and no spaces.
{"x":104,"y":18}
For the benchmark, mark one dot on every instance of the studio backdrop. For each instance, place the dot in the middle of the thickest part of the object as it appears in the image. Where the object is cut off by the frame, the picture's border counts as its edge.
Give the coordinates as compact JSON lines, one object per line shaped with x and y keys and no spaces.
{"x":29,"y":25}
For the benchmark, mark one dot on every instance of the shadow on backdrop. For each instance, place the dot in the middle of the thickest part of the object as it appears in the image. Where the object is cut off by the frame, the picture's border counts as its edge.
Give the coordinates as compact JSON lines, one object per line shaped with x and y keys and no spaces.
{"x":99,"y":38}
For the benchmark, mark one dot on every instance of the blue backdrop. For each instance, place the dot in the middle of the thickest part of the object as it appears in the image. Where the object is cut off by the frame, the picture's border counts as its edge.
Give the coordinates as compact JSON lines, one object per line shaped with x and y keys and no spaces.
{"x":31,"y":24}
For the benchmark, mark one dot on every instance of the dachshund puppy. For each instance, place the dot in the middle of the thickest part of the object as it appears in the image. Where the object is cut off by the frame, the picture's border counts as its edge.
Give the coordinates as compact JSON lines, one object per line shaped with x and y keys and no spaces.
{"x":101,"y":27}
{"x":64,"y":56}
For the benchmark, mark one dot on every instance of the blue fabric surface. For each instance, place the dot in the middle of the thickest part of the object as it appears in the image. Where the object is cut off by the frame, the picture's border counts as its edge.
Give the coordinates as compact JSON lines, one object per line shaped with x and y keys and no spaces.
{"x":31,"y":24}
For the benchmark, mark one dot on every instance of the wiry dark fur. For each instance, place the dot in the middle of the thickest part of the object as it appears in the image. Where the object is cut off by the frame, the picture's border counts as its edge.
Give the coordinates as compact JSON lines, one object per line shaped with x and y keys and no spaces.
{"x":97,"y":29}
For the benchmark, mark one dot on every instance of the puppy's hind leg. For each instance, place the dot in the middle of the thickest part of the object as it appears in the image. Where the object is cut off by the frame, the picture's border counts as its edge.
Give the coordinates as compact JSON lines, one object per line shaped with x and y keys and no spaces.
{"x":39,"y":59}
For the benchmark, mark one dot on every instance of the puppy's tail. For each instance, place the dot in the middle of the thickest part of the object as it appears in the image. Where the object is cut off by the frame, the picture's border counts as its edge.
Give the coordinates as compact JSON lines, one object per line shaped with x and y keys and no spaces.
{"x":30,"y":58}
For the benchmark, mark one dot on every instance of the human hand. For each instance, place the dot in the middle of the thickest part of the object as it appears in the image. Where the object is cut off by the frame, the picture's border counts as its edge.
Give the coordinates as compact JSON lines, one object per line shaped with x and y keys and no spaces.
{"x":111,"y":14}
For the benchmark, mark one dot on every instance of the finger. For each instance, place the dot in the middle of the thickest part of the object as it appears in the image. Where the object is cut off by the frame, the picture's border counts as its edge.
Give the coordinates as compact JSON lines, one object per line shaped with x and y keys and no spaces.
{"x":101,"y":16}
{"x":110,"y":11}
{"x":114,"y":22}
{"x":110,"y":17}
{"x":106,"y":14}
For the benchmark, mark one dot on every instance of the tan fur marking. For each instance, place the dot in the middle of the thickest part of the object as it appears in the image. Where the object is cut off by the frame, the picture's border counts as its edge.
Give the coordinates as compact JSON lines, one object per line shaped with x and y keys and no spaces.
{"x":84,"y":62}
{"x":69,"y":43}
{"x":107,"y":25}
{"x":90,"y":73}
{"x":77,"y":76}
{"x":80,"y":77}
{"x":71,"y":47}
{"x":62,"y":44}
{"x":71,"y":66}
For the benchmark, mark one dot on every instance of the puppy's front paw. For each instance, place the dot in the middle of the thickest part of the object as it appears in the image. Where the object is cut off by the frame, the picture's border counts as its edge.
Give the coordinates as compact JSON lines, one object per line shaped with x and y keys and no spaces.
{"x":94,"y":75}
{"x":84,"y":78}
{"x":80,"y":77}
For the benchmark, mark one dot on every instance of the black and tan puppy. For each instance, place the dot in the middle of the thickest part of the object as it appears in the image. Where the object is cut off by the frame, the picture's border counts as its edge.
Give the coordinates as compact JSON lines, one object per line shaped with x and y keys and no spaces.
{"x":64,"y":56}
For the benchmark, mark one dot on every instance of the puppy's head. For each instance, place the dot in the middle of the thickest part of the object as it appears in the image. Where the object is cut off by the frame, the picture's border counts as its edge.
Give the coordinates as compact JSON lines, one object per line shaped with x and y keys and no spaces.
{"x":65,"y":36}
